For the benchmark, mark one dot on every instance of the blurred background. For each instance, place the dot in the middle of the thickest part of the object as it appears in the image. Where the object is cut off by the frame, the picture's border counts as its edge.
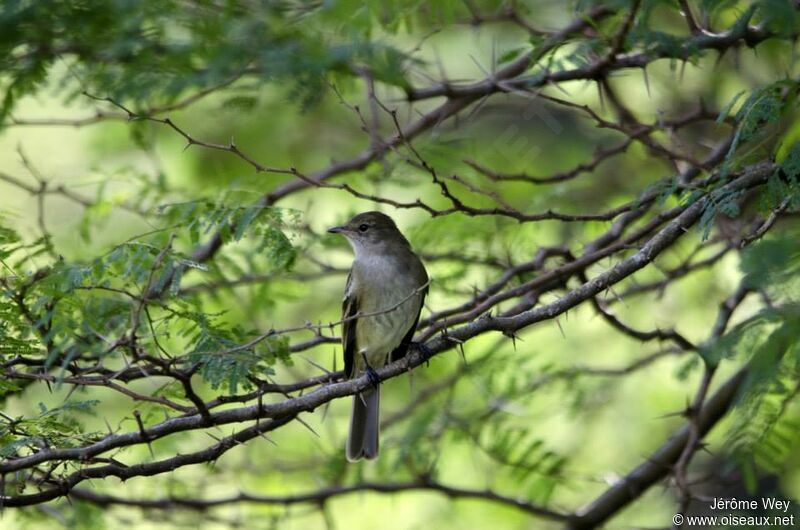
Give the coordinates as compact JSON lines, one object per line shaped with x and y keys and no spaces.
{"x":554,"y":415}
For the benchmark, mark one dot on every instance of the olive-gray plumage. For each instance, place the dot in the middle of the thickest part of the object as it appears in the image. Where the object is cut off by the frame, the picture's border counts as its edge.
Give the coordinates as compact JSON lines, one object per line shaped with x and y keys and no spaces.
{"x":387,"y":283}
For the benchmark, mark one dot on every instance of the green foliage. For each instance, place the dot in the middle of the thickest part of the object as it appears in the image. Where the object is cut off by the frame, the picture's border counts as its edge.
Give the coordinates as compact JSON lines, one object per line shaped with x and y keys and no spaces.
{"x":767,"y":416}
{"x":664,"y":44}
{"x":780,"y":16}
{"x":75,"y":302}
{"x":714,"y":8}
{"x":783,"y":188}
{"x":771,"y":265}
{"x":757,"y":120}
{"x":15,"y":327}
{"x":10,"y":242}
{"x":15,"y":251}
{"x":762,"y":107}
{"x":222,"y":360}
{"x":759,"y":123}
{"x":14,"y":336}
{"x":767,"y":425}
{"x":202,"y":218}
{"x":58,"y":426}
{"x":535,"y":467}
{"x":86,"y":516}
{"x":415,"y":447}
{"x":774,"y":265}
{"x":719,"y":202}
{"x":134,"y":294}
{"x":157,"y":50}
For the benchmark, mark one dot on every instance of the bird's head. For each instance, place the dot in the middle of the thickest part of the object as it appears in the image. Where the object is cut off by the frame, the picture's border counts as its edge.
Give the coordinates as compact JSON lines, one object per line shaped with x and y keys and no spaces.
{"x":371,"y":232}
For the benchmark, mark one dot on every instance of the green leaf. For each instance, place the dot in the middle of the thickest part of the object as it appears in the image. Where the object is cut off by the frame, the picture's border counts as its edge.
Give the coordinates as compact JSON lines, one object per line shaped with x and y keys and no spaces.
{"x":774,"y":264}
{"x":726,"y":110}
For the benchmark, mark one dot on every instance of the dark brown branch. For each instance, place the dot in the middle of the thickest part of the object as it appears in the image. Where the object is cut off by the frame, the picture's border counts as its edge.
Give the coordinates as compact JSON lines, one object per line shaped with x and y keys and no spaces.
{"x":101,"y":116}
{"x":600,"y":156}
{"x":670,"y":276}
{"x":320,"y":496}
{"x":741,"y":33}
{"x":695,"y":408}
{"x":659,"y":464}
{"x":674,"y":455}
{"x":291,"y":407}
{"x":686,"y":11}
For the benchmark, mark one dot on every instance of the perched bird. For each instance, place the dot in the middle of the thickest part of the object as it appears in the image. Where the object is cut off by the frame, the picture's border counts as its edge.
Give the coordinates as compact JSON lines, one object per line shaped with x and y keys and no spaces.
{"x":382,"y":302}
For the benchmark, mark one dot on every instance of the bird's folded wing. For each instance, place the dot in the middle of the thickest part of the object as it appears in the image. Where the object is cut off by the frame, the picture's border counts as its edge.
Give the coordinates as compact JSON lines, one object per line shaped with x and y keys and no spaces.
{"x":402,"y":349}
{"x":349,"y":310}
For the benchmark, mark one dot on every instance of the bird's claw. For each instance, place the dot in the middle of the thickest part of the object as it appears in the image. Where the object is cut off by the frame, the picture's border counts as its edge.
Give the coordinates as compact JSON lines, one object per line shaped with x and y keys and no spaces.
{"x":424,"y":352}
{"x":372,"y":375}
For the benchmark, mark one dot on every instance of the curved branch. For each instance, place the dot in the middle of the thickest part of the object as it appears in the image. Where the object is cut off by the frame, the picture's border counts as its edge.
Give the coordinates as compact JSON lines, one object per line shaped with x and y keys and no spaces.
{"x":321,"y":496}
{"x":657,"y":465}
{"x":280,"y":413}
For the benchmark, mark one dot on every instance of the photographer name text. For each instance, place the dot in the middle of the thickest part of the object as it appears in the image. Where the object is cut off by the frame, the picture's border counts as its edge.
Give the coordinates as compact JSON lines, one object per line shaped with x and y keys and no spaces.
{"x":766,"y":503}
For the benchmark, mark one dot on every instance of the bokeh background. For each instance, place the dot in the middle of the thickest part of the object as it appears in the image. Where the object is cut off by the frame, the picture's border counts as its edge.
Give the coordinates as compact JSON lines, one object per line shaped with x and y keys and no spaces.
{"x":539,"y":417}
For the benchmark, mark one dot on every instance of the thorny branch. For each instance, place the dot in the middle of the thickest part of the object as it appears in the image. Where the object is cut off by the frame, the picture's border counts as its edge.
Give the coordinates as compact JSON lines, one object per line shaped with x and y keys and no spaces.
{"x":518,"y":295}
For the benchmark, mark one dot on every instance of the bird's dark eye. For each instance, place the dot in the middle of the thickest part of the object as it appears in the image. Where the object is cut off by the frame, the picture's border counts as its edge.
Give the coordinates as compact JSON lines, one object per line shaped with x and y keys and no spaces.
{"x":363,"y":228}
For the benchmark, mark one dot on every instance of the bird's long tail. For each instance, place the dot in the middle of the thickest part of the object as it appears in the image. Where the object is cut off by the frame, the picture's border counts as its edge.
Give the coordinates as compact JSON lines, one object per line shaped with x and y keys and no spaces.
{"x":364,"y":425}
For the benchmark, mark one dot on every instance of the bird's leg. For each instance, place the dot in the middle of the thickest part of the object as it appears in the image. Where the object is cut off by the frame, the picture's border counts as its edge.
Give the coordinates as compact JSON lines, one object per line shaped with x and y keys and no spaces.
{"x":372,"y":375}
{"x":423,"y":350}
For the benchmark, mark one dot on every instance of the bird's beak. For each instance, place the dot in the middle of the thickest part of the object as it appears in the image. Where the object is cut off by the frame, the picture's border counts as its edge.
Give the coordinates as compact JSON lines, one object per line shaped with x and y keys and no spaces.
{"x":336,"y":229}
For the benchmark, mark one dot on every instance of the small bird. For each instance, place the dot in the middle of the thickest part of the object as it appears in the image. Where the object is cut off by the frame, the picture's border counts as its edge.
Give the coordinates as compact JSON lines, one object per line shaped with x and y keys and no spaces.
{"x":387,"y":285}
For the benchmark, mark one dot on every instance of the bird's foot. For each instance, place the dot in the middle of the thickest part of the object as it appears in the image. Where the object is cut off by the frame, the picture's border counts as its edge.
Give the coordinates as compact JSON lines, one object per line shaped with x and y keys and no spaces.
{"x":424,"y":352}
{"x":373,"y":376}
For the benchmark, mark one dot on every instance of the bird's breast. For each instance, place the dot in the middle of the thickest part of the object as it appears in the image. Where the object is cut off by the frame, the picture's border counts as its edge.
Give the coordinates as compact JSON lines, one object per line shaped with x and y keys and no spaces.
{"x":389,"y":299}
